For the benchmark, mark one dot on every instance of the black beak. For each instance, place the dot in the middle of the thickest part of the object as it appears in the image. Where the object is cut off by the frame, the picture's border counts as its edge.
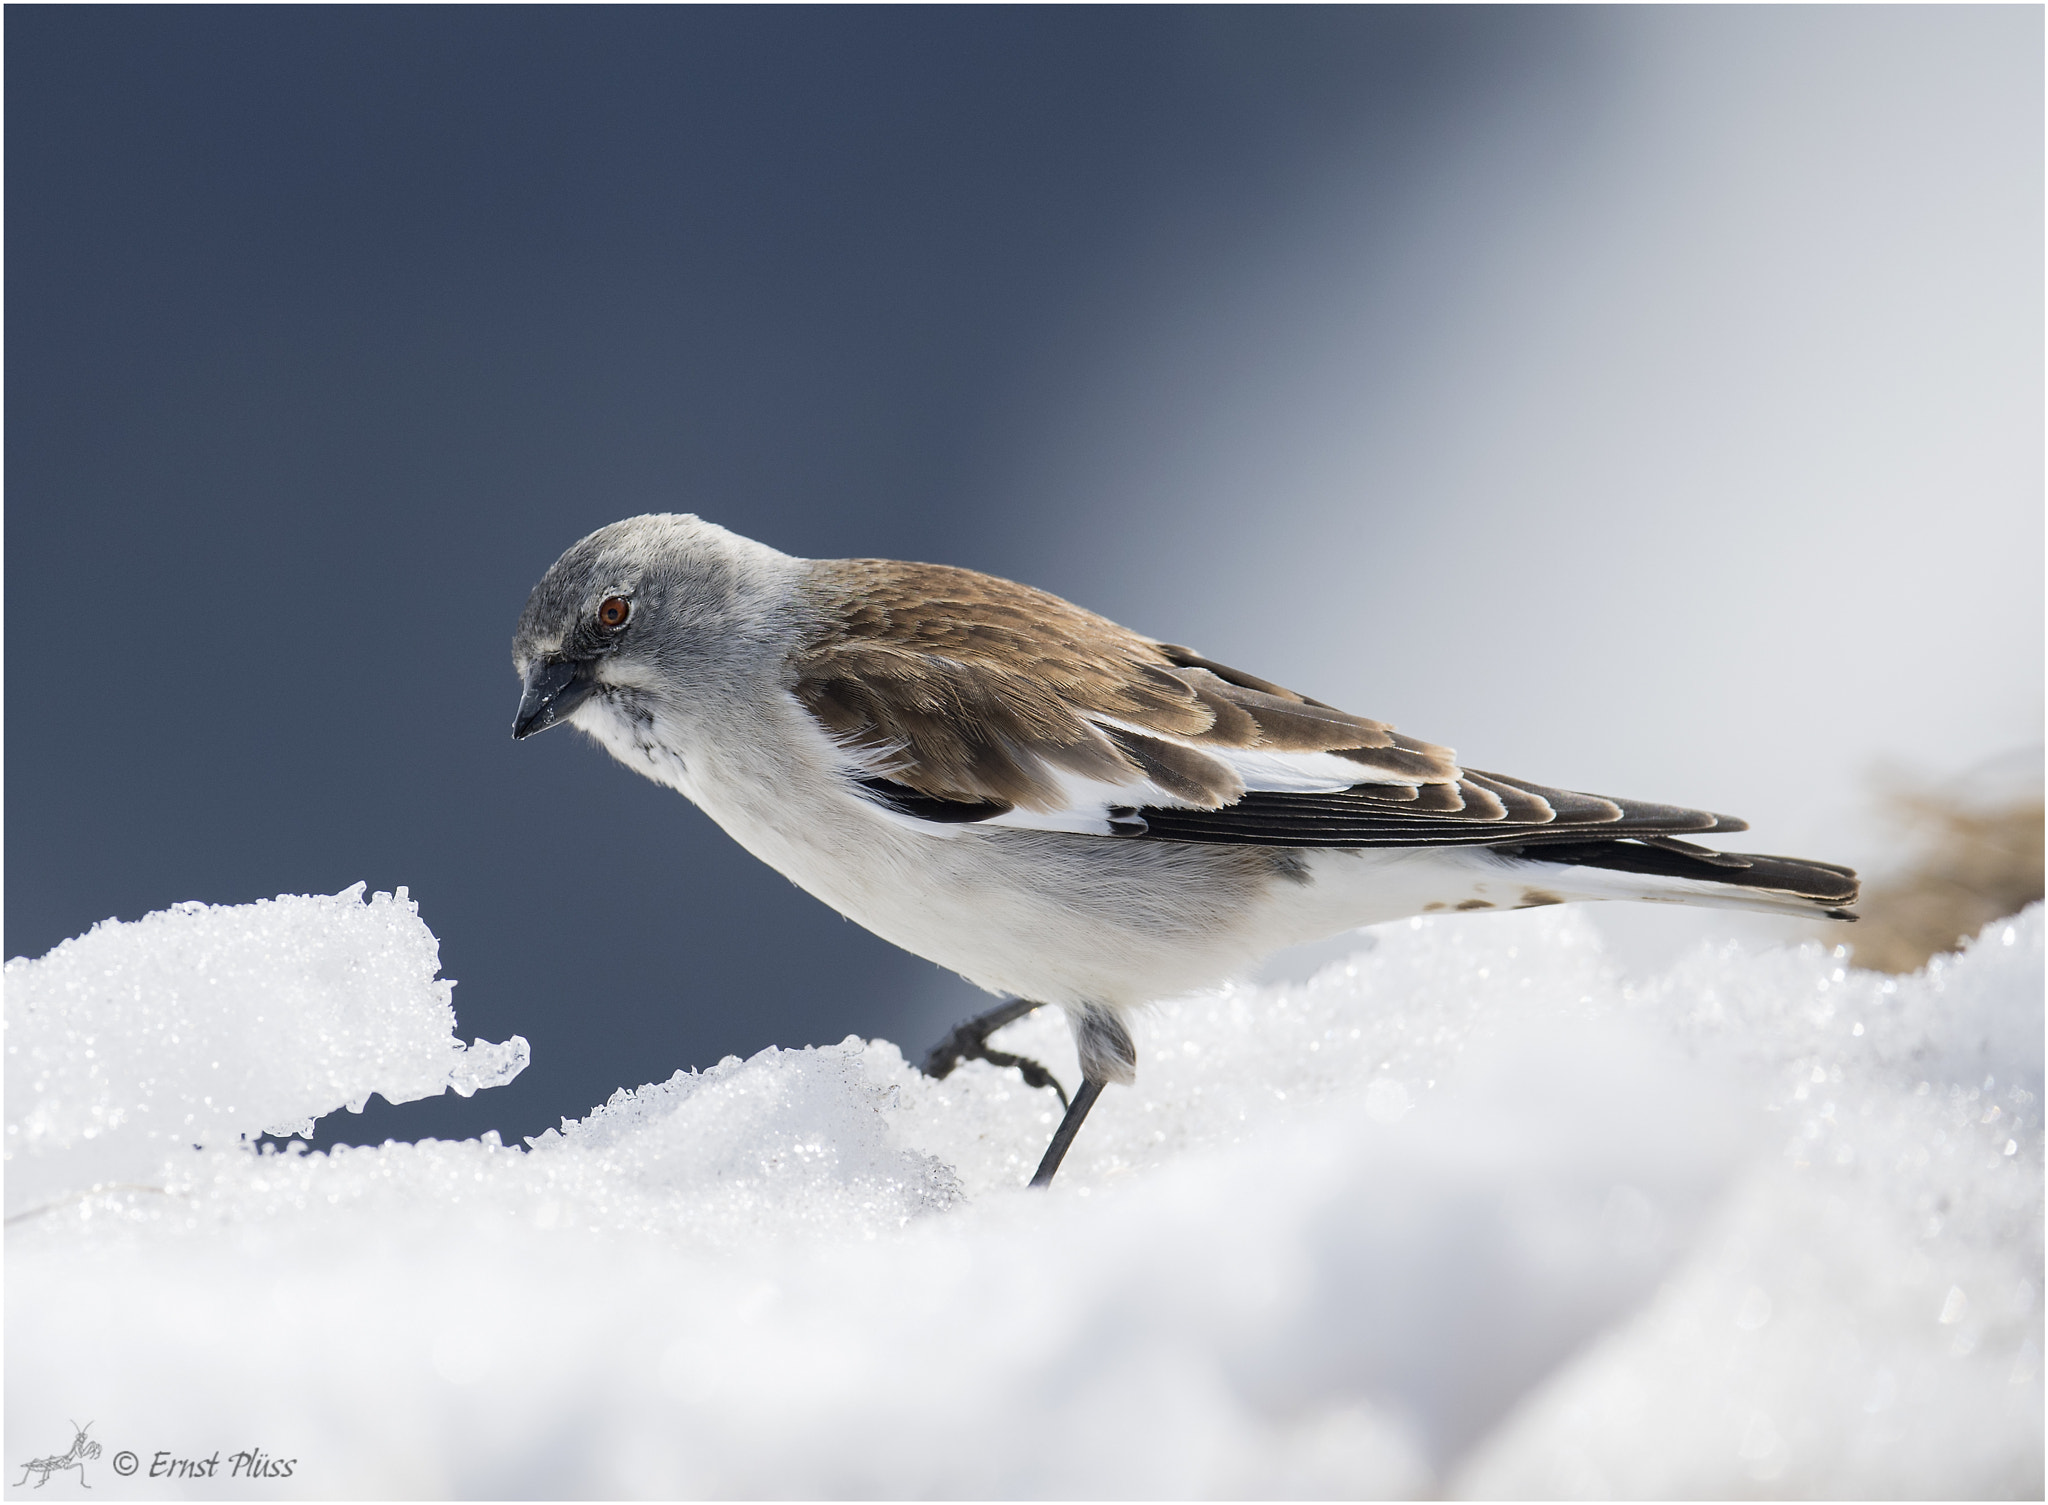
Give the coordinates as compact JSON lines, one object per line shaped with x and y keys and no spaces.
{"x":554,"y":688}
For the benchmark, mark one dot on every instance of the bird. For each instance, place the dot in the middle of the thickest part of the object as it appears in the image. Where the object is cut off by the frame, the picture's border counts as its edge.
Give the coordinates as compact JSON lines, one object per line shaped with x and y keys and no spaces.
{"x":1056,"y":807}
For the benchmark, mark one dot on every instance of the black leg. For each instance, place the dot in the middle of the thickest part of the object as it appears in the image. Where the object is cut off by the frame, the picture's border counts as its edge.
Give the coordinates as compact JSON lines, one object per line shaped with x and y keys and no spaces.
{"x":1064,"y":1134}
{"x":969,"y":1042}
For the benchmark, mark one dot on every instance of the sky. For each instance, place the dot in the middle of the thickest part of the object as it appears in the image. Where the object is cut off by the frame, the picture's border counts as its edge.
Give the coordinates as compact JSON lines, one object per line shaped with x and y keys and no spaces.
{"x":1639,"y":400}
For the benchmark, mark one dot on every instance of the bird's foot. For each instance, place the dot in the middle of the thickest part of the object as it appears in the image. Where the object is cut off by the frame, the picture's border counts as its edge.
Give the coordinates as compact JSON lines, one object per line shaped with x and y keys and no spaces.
{"x":969,"y":1042}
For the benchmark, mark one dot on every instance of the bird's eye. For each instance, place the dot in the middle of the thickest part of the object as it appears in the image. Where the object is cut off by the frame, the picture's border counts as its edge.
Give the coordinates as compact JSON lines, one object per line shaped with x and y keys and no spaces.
{"x":613,"y":612}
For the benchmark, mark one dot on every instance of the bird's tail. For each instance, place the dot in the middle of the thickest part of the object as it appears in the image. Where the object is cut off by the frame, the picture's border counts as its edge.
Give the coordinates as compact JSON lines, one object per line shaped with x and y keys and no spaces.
{"x":1663,"y":869}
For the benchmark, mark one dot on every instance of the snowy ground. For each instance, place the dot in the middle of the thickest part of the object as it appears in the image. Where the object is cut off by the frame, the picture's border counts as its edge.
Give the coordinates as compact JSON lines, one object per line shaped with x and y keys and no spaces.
{"x":1464,"y":1214}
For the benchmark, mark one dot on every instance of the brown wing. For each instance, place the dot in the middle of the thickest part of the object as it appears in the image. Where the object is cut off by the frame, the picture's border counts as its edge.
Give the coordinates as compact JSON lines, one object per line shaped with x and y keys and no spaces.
{"x":970,"y":693}
{"x":978,"y":690}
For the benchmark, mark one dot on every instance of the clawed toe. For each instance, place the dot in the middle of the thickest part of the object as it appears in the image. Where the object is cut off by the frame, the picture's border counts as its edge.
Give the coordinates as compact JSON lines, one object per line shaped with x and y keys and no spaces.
{"x":969,"y":1042}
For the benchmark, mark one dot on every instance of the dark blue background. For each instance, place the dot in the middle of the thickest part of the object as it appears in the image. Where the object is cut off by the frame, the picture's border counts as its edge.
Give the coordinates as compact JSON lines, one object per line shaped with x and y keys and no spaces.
{"x":328,"y":329}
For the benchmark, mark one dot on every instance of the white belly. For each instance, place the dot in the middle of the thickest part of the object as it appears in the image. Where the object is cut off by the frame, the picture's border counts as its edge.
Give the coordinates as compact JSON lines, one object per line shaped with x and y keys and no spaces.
{"x":1050,"y":916}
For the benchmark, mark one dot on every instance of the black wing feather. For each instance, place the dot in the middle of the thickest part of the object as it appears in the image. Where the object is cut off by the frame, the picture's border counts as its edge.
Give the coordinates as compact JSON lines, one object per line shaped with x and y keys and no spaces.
{"x":1347,"y":818}
{"x":1582,"y":830}
{"x":1365,"y":817}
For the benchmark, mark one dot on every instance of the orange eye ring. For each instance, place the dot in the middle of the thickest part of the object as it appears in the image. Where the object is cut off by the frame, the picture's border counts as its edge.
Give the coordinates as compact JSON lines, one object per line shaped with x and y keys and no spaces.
{"x":613,"y":612}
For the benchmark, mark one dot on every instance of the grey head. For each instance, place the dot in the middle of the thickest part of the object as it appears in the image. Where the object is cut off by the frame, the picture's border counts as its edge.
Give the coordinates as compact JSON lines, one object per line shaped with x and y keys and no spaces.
{"x":657,"y":610}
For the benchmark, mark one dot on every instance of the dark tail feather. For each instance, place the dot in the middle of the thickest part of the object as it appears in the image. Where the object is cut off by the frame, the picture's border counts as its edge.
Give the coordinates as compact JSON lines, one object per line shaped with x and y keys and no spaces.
{"x":1821,"y":883}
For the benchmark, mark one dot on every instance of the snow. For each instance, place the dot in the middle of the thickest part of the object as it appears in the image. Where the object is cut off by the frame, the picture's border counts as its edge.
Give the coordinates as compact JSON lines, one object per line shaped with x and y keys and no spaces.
{"x":1466,"y":1212}
{"x":203,"y":1023}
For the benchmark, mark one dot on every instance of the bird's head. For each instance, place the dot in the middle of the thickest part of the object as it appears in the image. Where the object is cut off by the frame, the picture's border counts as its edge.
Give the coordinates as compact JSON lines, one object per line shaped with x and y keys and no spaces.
{"x":645,"y":616}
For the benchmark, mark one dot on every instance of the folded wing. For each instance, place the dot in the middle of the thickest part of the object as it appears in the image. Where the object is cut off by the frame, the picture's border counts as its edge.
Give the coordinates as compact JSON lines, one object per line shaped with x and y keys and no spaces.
{"x":958,"y":698}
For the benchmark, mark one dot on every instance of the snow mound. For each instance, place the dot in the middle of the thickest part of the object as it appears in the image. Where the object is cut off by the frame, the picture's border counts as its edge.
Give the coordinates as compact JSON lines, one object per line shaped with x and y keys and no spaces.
{"x":1464,"y":1214}
{"x":1863,"y":1317}
{"x":790,"y":1142}
{"x":202,"y":1025}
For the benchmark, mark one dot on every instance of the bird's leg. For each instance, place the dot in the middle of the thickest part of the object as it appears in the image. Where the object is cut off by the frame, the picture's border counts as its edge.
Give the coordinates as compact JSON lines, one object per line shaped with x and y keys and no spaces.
{"x":1069,"y":1127}
{"x":1107,"y":1055}
{"x":969,"y":1042}
{"x":1101,"y":1037}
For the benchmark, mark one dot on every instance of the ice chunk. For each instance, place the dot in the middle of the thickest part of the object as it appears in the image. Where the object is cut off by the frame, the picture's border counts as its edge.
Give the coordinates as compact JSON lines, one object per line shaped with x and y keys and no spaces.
{"x":199,"y":1025}
{"x":483,"y":1064}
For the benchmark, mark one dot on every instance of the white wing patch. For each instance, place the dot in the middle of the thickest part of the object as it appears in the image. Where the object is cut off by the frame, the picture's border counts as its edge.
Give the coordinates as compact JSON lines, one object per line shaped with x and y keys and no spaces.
{"x":1085,"y":806}
{"x":1298,"y":773}
{"x":1086,"y":803}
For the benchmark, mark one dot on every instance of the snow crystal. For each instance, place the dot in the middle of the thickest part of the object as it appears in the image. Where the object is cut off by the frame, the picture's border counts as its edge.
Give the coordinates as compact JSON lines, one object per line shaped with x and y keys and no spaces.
{"x":1463,"y":1213}
{"x":203,"y":1024}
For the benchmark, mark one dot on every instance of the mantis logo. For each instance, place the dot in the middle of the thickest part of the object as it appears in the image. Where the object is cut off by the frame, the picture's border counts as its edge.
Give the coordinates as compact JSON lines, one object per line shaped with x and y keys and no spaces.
{"x":83,"y":1448}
